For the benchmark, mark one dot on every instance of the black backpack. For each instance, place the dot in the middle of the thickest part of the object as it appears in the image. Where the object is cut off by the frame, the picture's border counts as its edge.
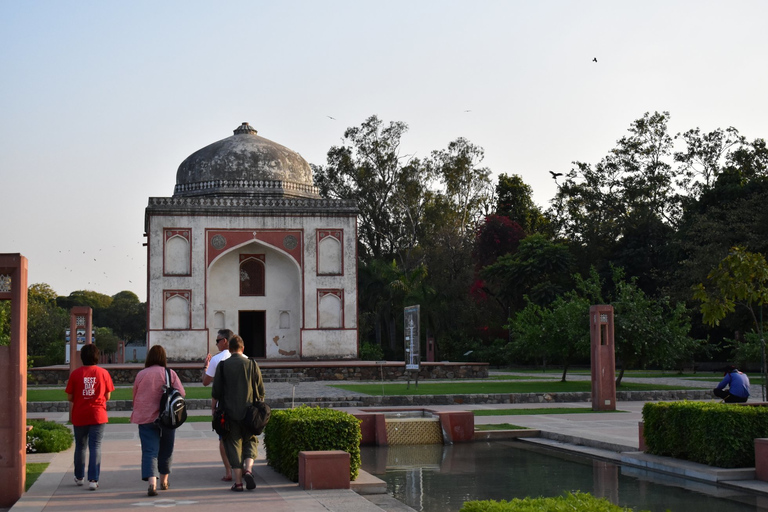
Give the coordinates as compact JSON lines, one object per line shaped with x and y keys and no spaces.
{"x":173,"y":408}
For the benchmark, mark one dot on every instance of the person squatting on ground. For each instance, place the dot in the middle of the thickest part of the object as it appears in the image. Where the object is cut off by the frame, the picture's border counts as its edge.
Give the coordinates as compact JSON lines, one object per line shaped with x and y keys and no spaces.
{"x":238,"y":383}
{"x":209,"y":372}
{"x":88,"y":388}
{"x":156,"y":441}
{"x":738,"y":386}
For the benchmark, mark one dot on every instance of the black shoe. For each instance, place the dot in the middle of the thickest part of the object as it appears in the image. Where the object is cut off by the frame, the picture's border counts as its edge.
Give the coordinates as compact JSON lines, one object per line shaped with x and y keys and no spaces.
{"x":236,"y":487}
{"x":250,"y":482}
{"x":151,"y":491}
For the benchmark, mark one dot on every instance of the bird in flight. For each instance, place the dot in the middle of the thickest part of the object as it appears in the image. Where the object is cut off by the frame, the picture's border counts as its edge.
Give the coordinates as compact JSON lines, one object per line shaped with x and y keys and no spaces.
{"x":555,"y":174}
{"x":329,"y":117}
{"x":594,"y":60}
{"x":467,"y":111}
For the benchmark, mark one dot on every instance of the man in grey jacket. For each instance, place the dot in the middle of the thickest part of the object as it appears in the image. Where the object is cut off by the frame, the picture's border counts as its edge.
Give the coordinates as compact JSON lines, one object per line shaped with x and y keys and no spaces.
{"x":237,"y":384}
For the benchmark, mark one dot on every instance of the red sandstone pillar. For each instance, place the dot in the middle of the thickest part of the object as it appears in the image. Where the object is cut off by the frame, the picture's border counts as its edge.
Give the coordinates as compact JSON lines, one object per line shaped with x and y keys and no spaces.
{"x":13,"y":382}
{"x":80,"y":317}
{"x":603,"y":358}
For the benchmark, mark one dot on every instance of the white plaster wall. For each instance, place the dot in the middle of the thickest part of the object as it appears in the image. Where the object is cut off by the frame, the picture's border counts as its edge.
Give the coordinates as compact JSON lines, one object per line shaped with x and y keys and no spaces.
{"x":181,"y":345}
{"x":330,"y":344}
{"x":303,"y":307}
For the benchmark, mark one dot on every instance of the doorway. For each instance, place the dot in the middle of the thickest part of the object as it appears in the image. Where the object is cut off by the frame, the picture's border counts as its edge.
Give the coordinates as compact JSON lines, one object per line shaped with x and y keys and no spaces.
{"x":253,"y":330}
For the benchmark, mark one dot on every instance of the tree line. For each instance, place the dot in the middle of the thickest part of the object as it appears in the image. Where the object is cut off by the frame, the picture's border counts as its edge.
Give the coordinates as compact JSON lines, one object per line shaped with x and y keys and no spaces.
{"x":504,"y":280}
{"x":118,"y":317}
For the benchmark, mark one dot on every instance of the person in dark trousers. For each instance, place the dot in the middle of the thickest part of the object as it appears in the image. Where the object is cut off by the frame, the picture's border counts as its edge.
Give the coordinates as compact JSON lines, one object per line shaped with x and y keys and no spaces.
{"x":209,"y":372}
{"x":237,"y":384}
{"x":738,"y":386}
{"x":88,"y":388}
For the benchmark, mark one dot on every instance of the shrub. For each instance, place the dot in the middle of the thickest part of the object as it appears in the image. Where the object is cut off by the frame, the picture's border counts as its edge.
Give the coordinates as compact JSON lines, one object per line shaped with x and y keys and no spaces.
{"x":577,"y":502}
{"x":291,"y":431}
{"x":721,"y":435}
{"x":371,"y":352}
{"x":48,"y":437}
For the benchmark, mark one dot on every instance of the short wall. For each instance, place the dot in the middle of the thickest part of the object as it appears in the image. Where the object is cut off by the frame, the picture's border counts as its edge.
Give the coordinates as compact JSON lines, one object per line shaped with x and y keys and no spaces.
{"x":326,"y":469}
{"x":408,"y":401}
{"x":309,"y":370}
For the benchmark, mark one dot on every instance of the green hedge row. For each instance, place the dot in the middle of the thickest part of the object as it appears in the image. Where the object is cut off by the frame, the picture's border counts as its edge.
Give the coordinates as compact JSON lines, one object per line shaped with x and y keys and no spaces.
{"x":717,"y":434}
{"x":291,"y":431}
{"x":578,"y":502}
{"x":48,"y":437}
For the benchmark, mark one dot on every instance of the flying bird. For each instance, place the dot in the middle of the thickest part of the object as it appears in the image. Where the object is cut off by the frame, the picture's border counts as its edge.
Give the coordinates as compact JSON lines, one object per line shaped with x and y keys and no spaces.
{"x":467,"y":111}
{"x":555,"y":174}
{"x":594,"y":60}
{"x":329,"y":117}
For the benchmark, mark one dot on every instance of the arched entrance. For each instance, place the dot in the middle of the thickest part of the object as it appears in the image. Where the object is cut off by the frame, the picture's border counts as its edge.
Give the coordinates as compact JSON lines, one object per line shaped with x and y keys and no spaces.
{"x":255,"y":290}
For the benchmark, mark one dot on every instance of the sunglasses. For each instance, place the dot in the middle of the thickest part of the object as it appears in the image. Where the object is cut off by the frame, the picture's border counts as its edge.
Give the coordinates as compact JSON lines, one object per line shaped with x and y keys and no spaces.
{"x":220,"y":339}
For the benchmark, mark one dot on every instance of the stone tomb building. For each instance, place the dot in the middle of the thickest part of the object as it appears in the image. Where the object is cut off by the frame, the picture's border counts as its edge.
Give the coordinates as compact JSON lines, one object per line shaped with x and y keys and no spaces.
{"x":246,"y":243}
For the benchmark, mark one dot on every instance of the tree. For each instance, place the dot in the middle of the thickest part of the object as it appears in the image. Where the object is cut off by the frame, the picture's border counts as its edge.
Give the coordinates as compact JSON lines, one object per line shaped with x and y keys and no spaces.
{"x":367,"y":169}
{"x":5,"y":323}
{"x":702,"y":160}
{"x":740,"y":279}
{"x":630,"y":193}
{"x":540,"y":270}
{"x":496,"y":236}
{"x":46,"y":324}
{"x":106,"y":340}
{"x":467,"y":185}
{"x":126,"y":316}
{"x":514,"y":199}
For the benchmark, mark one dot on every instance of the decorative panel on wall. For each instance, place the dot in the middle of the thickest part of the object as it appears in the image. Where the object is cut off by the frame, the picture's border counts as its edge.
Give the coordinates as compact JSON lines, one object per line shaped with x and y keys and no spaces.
{"x":176,"y":310}
{"x":177,"y":256}
{"x":329,"y":252}
{"x":330,"y":307}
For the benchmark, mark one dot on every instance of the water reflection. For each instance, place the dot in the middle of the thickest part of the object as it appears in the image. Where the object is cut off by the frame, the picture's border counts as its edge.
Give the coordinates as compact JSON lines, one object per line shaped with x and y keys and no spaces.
{"x":437,"y":478}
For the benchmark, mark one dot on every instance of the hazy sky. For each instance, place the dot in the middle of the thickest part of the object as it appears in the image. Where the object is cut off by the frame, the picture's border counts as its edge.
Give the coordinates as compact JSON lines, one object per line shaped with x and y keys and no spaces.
{"x":100,"y":101}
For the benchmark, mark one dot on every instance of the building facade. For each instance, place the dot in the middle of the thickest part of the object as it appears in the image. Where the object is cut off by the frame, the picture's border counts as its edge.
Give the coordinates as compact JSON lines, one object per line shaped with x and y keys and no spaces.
{"x":246,"y":243}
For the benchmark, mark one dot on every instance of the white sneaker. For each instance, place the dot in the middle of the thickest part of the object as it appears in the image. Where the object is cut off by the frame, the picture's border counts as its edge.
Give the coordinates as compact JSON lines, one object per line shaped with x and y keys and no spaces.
{"x":79,"y":481}
{"x":93,"y":486}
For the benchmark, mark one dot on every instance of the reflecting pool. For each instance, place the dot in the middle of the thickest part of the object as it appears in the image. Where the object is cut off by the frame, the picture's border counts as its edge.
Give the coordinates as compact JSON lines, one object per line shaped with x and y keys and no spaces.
{"x":438,"y":478}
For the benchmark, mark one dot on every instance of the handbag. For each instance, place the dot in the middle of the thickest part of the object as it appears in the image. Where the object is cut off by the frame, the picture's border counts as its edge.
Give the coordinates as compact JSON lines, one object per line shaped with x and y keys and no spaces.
{"x":256,"y":417}
{"x":219,"y":423}
{"x":257,"y":414}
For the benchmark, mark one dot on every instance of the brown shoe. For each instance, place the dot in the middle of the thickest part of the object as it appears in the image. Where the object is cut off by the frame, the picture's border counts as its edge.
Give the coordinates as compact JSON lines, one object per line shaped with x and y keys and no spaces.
{"x":164,"y":486}
{"x":151,"y":491}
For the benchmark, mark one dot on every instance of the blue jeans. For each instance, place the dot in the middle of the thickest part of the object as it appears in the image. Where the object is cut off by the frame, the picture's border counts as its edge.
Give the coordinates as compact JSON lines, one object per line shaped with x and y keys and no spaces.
{"x":156,"y":450}
{"x":88,"y":437}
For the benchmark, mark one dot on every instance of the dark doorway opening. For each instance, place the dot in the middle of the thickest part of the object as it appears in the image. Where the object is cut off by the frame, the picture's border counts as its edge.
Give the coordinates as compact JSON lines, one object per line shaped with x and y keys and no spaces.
{"x":253,"y":330}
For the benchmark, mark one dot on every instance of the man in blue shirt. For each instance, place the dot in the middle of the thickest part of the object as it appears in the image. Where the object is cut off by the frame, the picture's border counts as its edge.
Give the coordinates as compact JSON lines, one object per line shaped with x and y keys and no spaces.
{"x":738,"y":386}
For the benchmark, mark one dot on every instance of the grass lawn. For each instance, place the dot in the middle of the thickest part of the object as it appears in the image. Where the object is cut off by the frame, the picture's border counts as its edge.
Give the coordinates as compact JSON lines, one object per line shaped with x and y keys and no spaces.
{"x":58,"y":395}
{"x":538,"y":410}
{"x":500,"y":426}
{"x":493,"y":387}
{"x":34,"y":470}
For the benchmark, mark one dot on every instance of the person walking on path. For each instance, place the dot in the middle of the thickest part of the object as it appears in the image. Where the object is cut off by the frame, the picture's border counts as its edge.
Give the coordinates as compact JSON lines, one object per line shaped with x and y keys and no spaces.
{"x":237,"y":384}
{"x":209,"y":372}
{"x":156,"y":440}
{"x":88,"y":388}
{"x":738,"y":386}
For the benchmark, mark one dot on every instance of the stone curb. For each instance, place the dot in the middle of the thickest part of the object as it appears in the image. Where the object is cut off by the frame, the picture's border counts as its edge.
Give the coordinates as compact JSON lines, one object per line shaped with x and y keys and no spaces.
{"x":417,"y":400}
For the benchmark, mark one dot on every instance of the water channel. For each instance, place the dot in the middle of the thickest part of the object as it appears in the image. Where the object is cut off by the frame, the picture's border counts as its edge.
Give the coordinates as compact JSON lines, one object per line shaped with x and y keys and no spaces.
{"x":440,"y":478}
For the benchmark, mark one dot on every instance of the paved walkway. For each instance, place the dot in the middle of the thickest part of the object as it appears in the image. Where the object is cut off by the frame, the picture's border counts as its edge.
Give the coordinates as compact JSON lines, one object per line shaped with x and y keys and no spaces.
{"x":197,"y":469}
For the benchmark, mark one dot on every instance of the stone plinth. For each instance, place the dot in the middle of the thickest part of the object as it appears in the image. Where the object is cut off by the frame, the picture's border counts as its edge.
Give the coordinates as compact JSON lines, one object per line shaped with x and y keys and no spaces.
{"x":761,"y":459}
{"x":324,"y":469}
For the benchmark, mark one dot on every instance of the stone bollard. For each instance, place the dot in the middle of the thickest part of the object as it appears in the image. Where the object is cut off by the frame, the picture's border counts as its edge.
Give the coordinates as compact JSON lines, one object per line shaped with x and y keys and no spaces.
{"x":641,"y":436}
{"x":761,"y":459}
{"x":324,"y":469}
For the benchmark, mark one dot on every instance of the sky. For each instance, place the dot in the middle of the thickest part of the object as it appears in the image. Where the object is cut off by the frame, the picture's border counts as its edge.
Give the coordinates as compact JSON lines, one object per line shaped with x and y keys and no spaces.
{"x":100,"y":101}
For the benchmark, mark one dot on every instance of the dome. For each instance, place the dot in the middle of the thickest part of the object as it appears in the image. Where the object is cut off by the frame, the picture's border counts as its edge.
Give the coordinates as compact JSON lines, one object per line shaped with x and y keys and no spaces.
{"x":245,"y":165}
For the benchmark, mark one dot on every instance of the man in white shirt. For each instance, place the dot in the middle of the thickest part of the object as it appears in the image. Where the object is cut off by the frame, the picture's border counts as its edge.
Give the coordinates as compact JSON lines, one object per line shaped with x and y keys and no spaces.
{"x":209,"y":371}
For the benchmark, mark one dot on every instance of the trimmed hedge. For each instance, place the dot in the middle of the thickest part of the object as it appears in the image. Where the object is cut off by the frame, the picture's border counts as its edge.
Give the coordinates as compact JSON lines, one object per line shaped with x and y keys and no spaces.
{"x":48,"y":437}
{"x":717,"y":434}
{"x":291,"y":431}
{"x":577,"y":502}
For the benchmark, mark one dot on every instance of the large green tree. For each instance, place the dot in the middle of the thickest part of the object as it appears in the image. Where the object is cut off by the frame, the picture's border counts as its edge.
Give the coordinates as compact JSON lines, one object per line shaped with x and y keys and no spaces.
{"x":514,"y":200}
{"x":46,"y":325}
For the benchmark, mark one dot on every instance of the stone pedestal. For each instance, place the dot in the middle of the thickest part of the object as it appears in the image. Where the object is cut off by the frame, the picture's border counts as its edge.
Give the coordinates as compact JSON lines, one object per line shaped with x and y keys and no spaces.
{"x":761,"y":459}
{"x":603,"y":358}
{"x":324,"y":469}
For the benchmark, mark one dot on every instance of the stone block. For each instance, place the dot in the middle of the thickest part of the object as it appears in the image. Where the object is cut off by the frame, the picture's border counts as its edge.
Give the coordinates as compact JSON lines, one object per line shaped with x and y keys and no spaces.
{"x":458,"y":426}
{"x":761,"y":459}
{"x":324,"y":469}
